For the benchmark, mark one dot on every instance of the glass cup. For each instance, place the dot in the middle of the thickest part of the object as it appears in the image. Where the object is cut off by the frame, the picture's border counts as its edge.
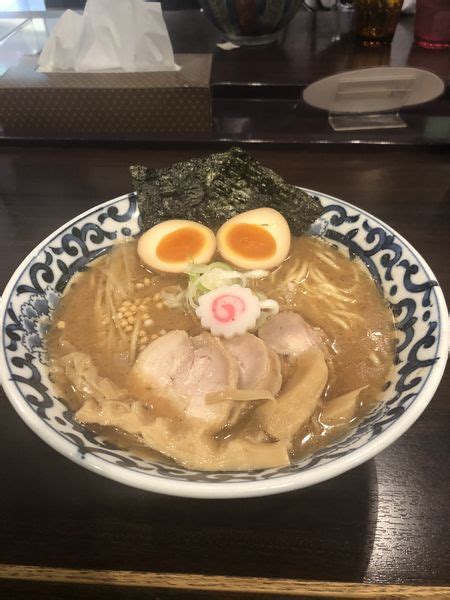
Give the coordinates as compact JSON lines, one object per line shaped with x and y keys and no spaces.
{"x":432,"y":28}
{"x":376,"y":21}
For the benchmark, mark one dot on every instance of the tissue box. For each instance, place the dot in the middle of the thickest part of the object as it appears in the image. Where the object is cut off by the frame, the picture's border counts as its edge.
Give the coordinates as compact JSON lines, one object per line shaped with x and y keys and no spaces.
{"x":34,"y":103}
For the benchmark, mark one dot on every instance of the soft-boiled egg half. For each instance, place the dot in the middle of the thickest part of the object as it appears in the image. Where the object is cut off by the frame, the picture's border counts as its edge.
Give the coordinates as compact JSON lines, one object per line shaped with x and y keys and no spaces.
{"x":258,"y":238}
{"x":172,"y":245}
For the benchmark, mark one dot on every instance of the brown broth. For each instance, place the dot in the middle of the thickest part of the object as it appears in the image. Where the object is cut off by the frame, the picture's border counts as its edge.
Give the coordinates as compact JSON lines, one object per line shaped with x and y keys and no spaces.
{"x":330,"y":291}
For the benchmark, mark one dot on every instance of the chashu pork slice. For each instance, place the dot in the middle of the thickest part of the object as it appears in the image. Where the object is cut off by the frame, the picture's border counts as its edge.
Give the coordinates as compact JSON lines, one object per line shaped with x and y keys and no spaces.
{"x":287,"y":333}
{"x":186,"y":369}
{"x":259,"y":366}
{"x":163,"y":359}
{"x":213,"y":369}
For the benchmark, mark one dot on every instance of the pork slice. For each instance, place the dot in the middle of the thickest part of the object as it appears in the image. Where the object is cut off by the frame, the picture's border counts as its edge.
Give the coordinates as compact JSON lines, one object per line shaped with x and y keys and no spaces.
{"x":289,"y":334}
{"x":274,"y":379}
{"x":186,"y":369}
{"x":259,"y":366}
{"x":159,"y":364}
{"x":213,"y":369}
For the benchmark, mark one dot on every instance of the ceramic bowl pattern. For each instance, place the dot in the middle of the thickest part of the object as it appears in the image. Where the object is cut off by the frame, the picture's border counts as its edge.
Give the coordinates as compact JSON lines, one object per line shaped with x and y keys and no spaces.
{"x":405,"y":279}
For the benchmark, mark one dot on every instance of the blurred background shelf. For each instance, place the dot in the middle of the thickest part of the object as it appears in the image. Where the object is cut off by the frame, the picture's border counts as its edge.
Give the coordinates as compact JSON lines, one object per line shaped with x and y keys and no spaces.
{"x":257,"y":91}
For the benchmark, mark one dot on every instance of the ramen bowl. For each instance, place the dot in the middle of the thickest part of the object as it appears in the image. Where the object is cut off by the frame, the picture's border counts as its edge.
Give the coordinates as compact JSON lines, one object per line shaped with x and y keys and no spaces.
{"x":406,"y":281}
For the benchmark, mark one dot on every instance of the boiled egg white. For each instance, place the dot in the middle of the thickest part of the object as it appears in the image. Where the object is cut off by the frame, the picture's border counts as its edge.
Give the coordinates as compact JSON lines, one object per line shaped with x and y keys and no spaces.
{"x":258,"y":238}
{"x":172,"y":245}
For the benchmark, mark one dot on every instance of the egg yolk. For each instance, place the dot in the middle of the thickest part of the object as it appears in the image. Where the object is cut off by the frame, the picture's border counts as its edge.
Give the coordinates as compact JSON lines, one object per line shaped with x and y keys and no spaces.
{"x":251,"y":241}
{"x":180,"y":245}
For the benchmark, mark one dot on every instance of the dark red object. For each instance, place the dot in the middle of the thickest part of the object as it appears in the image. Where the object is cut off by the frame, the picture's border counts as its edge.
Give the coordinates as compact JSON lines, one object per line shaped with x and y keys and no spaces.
{"x":432,"y":29}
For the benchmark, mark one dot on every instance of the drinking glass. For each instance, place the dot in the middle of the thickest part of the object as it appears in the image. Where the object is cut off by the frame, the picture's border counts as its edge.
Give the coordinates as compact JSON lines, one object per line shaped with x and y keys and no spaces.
{"x":432,"y":29}
{"x":376,"y":21}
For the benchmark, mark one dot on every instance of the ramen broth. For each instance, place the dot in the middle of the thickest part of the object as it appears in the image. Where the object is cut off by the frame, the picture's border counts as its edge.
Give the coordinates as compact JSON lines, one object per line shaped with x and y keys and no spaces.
{"x":114,"y":309}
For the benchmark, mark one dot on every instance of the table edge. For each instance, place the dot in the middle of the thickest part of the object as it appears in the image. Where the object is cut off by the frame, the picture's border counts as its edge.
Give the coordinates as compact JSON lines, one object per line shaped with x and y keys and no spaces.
{"x":219,"y":583}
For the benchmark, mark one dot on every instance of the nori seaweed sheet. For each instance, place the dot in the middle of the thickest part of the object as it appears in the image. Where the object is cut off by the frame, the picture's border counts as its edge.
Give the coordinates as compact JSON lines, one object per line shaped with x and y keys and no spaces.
{"x":213,"y":189}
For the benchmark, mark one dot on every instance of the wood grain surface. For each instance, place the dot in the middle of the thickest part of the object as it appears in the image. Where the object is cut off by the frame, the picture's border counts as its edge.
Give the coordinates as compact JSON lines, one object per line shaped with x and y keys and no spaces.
{"x":384,"y":523}
{"x":219,"y":584}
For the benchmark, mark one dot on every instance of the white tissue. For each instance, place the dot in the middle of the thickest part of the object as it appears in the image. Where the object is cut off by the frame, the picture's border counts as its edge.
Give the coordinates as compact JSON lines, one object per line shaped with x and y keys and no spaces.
{"x":409,"y":6}
{"x":124,"y":35}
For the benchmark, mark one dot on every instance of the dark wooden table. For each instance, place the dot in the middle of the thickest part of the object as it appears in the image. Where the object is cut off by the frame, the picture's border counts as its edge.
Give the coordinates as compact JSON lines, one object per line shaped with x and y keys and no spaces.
{"x":381,"y":530}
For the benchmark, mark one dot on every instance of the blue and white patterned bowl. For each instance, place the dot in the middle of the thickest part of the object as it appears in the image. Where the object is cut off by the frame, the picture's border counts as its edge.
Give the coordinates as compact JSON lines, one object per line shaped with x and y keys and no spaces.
{"x":406,"y":280}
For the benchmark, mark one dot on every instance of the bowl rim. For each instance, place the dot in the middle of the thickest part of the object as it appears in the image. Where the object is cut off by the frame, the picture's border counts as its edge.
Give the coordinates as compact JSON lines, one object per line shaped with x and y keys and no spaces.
{"x":239,"y":489}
